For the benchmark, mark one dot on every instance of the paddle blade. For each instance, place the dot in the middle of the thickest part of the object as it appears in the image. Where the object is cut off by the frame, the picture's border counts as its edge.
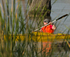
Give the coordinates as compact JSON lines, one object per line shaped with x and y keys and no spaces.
{"x":62,"y":17}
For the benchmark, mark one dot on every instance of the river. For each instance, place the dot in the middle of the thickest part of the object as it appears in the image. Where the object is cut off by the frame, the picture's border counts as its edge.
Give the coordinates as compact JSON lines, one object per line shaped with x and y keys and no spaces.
{"x":59,"y":8}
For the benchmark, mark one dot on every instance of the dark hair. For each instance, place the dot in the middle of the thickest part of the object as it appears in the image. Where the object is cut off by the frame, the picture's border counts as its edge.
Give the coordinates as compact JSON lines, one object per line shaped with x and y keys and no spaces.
{"x":47,"y":20}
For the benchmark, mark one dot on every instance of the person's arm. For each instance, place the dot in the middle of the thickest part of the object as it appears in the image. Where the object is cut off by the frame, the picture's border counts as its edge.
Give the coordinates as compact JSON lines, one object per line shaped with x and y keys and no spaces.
{"x":41,"y":30}
{"x":53,"y":27}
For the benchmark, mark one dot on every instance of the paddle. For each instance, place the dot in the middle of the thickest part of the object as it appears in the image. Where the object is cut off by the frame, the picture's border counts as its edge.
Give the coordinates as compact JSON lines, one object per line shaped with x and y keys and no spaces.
{"x":54,"y":21}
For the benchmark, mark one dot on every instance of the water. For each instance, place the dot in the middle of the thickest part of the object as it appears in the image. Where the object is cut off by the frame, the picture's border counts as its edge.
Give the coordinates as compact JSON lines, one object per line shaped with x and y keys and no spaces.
{"x":60,"y":8}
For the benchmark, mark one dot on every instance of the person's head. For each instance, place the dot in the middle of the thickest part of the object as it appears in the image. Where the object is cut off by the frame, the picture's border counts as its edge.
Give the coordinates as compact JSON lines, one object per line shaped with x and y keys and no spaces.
{"x":46,"y":21}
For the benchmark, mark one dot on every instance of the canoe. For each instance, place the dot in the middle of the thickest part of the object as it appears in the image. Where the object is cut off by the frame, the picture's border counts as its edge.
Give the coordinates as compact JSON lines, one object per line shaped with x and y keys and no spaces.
{"x":40,"y":36}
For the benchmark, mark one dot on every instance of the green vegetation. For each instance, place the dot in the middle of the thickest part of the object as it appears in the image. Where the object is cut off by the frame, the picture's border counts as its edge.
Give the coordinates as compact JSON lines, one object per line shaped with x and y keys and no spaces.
{"x":14,"y":22}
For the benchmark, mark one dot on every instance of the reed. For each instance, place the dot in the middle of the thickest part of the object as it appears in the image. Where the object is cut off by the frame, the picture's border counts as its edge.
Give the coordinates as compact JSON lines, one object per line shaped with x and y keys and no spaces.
{"x":14,"y":23}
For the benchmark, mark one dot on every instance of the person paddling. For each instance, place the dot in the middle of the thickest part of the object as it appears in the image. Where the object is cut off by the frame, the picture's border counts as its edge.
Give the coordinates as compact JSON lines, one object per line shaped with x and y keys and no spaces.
{"x":49,"y":28}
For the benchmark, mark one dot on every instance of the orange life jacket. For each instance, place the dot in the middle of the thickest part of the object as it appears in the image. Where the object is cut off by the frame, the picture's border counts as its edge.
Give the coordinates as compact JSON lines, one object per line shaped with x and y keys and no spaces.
{"x":47,"y":29}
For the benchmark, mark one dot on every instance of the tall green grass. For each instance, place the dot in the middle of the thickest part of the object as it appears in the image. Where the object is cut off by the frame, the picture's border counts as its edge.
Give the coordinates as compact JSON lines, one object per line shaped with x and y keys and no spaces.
{"x":14,"y":22}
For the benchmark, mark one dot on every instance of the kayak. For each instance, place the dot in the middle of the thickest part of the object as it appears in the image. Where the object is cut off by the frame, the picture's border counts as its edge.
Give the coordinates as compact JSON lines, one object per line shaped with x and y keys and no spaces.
{"x":40,"y":36}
